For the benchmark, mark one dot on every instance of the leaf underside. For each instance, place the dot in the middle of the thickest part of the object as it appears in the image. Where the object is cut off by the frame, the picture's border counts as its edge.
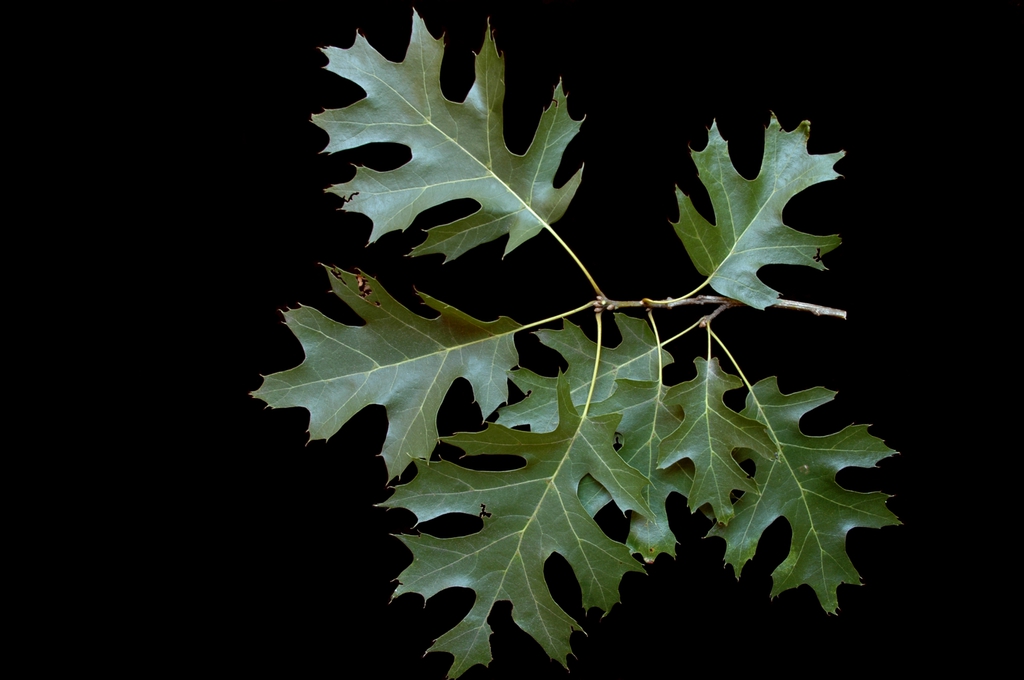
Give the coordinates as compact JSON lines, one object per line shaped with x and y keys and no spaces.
{"x":749,"y":232}
{"x":458,"y":149}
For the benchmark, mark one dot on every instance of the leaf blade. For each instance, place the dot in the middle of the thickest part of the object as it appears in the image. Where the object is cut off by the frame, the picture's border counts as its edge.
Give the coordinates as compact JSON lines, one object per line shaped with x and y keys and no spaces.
{"x":647,"y":419}
{"x":635,"y":358}
{"x":749,"y":232}
{"x":535,"y":510}
{"x":399,"y":360}
{"x":801,"y":487}
{"x":709,"y":435}
{"x":458,"y":149}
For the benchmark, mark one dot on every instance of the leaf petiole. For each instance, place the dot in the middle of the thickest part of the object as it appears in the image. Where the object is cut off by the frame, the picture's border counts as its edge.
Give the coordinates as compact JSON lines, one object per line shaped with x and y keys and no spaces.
{"x":711,"y":334}
{"x":597,"y":363}
{"x":597,"y":289}
{"x":750,"y":388}
{"x":657,"y":341}
{"x":681,"y":334}
{"x":692,"y":292}
{"x":555,"y":317}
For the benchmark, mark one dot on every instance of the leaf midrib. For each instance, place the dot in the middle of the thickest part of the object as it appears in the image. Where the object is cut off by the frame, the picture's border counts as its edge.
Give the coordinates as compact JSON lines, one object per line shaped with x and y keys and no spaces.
{"x":522,"y":532}
{"x":444,"y":350}
{"x":796,"y":480}
{"x":429,"y":121}
{"x":757,"y":215}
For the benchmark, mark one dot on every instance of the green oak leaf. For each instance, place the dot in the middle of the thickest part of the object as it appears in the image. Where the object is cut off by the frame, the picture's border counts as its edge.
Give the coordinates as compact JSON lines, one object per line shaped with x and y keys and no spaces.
{"x":399,"y":360}
{"x":708,"y":436}
{"x":801,"y":487}
{"x":458,"y":149}
{"x":647,"y":419}
{"x":634,"y":358}
{"x":534,"y":512}
{"x":749,"y":232}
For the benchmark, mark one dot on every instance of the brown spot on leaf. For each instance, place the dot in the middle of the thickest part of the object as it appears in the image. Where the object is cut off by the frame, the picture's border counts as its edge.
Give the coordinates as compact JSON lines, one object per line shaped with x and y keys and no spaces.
{"x":364,"y":288}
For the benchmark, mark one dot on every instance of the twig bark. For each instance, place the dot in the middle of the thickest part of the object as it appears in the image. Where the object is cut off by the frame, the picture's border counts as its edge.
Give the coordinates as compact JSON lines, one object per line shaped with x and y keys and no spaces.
{"x":602,"y":303}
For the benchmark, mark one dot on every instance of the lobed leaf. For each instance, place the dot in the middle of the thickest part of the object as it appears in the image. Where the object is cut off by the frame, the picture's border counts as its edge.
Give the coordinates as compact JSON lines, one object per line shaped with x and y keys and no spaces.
{"x":709,"y":435}
{"x":647,"y":419}
{"x":681,"y":439}
{"x":399,"y":360}
{"x":749,"y":232}
{"x":533,"y":512}
{"x":801,"y":487}
{"x":458,"y":149}
{"x":634,"y":358}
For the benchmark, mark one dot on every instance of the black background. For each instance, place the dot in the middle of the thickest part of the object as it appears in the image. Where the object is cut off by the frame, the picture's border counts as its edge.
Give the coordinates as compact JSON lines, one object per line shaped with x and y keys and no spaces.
{"x":303,"y":564}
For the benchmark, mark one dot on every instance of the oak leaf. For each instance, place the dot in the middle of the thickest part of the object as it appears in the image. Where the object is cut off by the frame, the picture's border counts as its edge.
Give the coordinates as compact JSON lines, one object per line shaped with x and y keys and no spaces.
{"x":748,"y":232}
{"x":533,"y":512}
{"x":709,"y":435}
{"x":458,"y":148}
{"x":801,"y":487}
{"x":400,"y":360}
